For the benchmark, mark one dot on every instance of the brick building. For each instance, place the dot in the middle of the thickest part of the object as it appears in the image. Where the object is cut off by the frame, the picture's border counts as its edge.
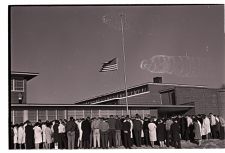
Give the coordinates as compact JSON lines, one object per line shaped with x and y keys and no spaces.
{"x":155,"y":99}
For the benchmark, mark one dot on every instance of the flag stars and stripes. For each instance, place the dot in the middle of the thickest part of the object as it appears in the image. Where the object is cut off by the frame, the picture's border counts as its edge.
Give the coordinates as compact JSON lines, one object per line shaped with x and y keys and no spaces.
{"x":111,"y":65}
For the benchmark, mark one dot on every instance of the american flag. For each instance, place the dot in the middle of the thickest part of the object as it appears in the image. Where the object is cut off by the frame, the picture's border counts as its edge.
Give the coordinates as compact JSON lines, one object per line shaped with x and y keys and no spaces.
{"x":109,"y":66}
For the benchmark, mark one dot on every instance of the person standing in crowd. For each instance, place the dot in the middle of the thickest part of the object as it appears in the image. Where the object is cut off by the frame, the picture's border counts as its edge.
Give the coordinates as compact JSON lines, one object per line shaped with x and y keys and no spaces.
{"x":43,"y":127}
{"x":131,"y":131}
{"x":86,"y":128}
{"x":197,"y":131}
{"x":175,"y":133}
{"x":126,"y":126}
{"x":169,"y":122}
{"x":29,"y":140}
{"x":15,"y":133}
{"x":62,"y":136}
{"x":213,"y":125}
{"x":217,"y":127}
{"x":104,"y":130}
{"x":152,"y":132}
{"x":96,"y":133}
{"x":222,"y":127}
{"x":146,"y":131}
{"x":21,"y":135}
{"x":11,"y":136}
{"x":183,"y":123}
{"x":48,"y":135}
{"x":206,"y":130}
{"x":70,"y":130}
{"x":122,"y":134}
{"x":56,"y":134}
{"x":161,"y":129}
{"x":188,"y":128}
{"x":37,"y":135}
{"x":137,"y":127}
{"x":118,"y":131}
{"x":79,"y":143}
{"x":112,"y":131}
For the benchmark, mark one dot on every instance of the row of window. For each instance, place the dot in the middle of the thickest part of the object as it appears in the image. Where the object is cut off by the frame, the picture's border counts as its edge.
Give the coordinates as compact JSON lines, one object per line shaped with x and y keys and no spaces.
{"x":43,"y":115}
{"x":130,"y":92}
{"x":17,"y":85}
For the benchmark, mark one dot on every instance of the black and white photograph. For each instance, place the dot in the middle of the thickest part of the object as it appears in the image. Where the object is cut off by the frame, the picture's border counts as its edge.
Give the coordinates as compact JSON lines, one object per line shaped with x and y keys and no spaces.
{"x":113,"y":77}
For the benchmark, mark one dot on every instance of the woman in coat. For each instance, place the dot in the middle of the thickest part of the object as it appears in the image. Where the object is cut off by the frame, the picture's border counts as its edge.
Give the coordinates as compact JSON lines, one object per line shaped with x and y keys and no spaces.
{"x":152,"y":132}
{"x":15,"y":133}
{"x":48,"y":135}
{"x":21,"y":134}
{"x":29,"y":138}
{"x":197,"y":131}
{"x":175,"y":133}
{"x":37,"y":135}
{"x":161,"y":132}
{"x":206,"y":126}
{"x":43,"y":127}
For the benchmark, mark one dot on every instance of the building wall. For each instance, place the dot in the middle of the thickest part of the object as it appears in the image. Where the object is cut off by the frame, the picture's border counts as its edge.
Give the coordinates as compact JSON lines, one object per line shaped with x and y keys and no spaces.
{"x":221,"y":101}
{"x":151,"y":98}
{"x":34,"y":114}
{"x":14,"y":95}
{"x":205,"y":100}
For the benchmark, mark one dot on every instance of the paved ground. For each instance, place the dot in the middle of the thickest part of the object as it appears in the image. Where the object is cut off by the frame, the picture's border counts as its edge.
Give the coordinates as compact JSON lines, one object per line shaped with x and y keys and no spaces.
{"x":214,"y":144}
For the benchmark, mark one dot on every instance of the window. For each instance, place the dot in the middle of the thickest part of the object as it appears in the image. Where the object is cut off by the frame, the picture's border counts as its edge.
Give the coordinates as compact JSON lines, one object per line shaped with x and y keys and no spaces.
{"x":32,"y":116}
{"x":18,"y":116}
{"x":12,"y":85}
{"x":60,"y":114}
{"x":79,"y":114}
{"x":51,"y":115}
{"x":42,"y":115}
{"x":17,"y":85}
{"x":71,"y":113}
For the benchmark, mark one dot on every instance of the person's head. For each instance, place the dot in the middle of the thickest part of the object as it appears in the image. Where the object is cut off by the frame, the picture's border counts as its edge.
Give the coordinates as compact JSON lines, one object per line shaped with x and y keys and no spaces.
{"x":36,"y":124}
{"x":71,"y":118}
{"x":111,"y":116}
{"x":21,"y":124}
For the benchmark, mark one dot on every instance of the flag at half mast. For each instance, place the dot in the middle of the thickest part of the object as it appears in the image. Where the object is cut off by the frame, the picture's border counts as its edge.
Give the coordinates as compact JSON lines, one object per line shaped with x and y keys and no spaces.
{"x":109,"y":66}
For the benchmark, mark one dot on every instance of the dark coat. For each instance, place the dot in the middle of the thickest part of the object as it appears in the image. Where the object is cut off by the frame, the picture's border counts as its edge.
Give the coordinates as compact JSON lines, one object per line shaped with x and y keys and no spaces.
{"x":56,"y":132}
{"x":137,"y":125}
{"x":175,"y":131}
{"x":29,"y":137}
{"x":71,"y":126}
{"x":86,"y":128}
{"x":161,"y":132}
{"x":145,"y":125}
{"x":118,"y":124}
{"x":126,"y":126}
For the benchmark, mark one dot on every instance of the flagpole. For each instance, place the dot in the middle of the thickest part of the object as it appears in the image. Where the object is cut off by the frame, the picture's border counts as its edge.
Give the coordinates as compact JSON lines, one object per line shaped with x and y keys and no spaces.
{"x":124,"y":61}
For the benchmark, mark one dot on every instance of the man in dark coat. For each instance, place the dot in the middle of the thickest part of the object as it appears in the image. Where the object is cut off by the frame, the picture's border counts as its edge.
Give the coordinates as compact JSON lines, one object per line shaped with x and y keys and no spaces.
{"x":146,"y":132}
{"x":161,"y":132}
{"x":137,"y":127}
{"x":71,"y":127}
{"x":175,"y":133}
{"x":56,"y":133}
{"x":118,"y":131}
{"x":29,"y":136}
{"x":126,"y":131}
{"x":86,"y":128}
{"x":112,"y":131}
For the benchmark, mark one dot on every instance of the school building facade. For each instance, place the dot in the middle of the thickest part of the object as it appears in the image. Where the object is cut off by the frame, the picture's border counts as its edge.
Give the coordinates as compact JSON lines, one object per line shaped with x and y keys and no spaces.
{"x":154,"y":99}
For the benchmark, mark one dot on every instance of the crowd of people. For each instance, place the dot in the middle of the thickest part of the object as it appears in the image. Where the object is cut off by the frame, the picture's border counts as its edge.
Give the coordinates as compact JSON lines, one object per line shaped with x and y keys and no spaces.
{"x":115,"y":132}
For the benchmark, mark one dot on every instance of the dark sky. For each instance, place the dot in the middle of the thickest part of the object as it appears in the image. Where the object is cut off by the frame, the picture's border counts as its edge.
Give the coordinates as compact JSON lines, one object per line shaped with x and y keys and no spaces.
{"x":68,"y":44}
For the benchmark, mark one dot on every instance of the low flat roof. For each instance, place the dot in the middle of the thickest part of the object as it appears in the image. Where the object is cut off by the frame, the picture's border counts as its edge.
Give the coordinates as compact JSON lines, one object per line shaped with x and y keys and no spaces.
{"x":26,"y":75}
{"x":72,"y":106}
